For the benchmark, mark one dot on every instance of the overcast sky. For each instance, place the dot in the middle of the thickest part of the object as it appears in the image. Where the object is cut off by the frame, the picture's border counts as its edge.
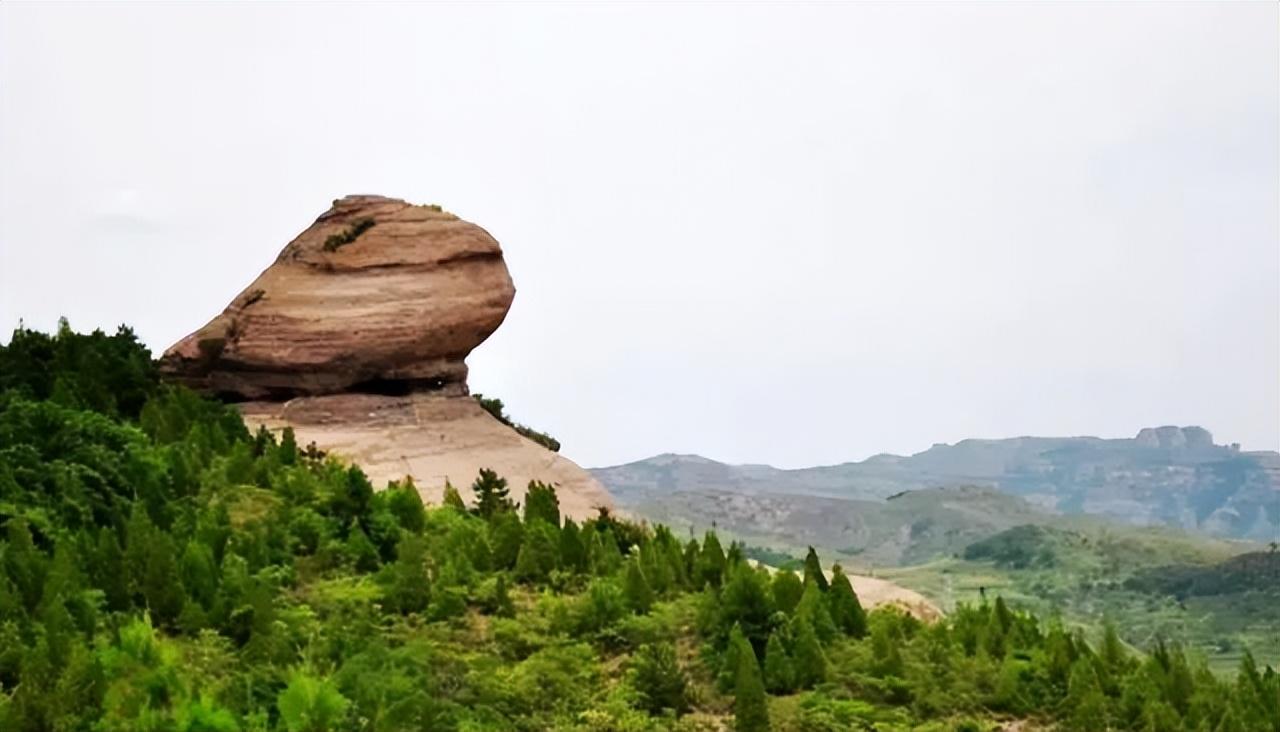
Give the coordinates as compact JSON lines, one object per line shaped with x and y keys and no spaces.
{"x":793,"y":234}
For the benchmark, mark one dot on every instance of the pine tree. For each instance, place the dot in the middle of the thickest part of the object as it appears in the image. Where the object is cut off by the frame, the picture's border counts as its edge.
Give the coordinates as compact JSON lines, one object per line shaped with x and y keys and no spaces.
{"x":810,"y":662}
{"x":813,"y":608}
{"x":787,"y":590}
{"x":1085,"y":704}
{"x":656,"y":570}
{"x":506,"y":535}
{"x":779,"y":674}
{"x":658,"y":680}
{"x":352,"y":499}
{"x":362,"y":553}
{"x":539,"y":553}
{"x":502,"y":605}
{"x":690,"y":559}
{"x":404,"y":502}
{"x":636,"y":588}
{"x":573,"y":554}
{"x":109,"y":573}
{"x":746,"y":603}
{"x":711,"y":561}
{"x":288,"y":447}
{"x":734,"y":556}
{"x":603,"y":552}
{"x":727,"y":675}
{"x":161,"y":583}
{"x":1114,"y":655}
{"x":541,"y":504}
{"x":25,"y":565}
{"x":750,"y":704}
{"x":885,"y":651}
{"x":408,"y":585}
{"x":843,"y":603}
{"x":452,"y":498}
{"x":492,"y":494}
{"x":813,"y":570}
{"x":199,"y":573}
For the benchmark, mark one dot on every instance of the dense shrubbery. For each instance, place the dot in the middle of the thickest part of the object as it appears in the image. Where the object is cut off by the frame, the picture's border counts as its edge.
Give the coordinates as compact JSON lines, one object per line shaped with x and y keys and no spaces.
{"x":162,"y":568}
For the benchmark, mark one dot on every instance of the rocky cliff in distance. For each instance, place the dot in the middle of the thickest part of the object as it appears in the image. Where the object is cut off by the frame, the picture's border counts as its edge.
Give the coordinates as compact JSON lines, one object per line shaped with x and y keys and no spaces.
{"x":357,"y":335}
{"x":1164,"y":476}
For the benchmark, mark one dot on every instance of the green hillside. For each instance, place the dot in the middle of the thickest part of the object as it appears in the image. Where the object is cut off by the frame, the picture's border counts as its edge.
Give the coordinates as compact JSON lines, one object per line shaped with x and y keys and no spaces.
{"x":1149,"y":583}
{"x":163,"y":569}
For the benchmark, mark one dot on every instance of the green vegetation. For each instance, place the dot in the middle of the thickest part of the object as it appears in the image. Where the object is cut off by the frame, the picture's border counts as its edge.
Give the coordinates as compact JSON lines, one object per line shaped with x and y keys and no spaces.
{"x":336,"y":241}
{"x":163,"y":568}
{"x":1150,"y":583}
{"x":496,"y":408}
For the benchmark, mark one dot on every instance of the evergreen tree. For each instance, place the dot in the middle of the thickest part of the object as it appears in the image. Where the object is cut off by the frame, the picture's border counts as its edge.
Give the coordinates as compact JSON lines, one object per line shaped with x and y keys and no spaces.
{"x":541,"y":504}
{"x":573,"y":554}
{"x":1113,"y":653}
{"x":539,"y":552}
{"x":746,"y":603}
{"x":288,"y":451}
{"x":750,"y":704}
{"x":199,"y":573}
{"x":787,"y":590}
{"x":404,"y":502}
{"x":711,"y":561}
{"x":603,"y":554}
{"x":492,"y":494}
{"x":636,"y":588}
{"x":813,"y":571}
{"x":24,"y":564}
{"x":885,"y":651}
{"x":655,"y":568}
{"x":452,"y":498}
{"x":506,"y":535}
{"x":502,"y":605}
{"x":779,"y":674}
{"x":658,"y":680}
{"x":361,"y":552}
{"x":351,"y":501}
{"x":691,"y":570}
{"x":1085,"y":704}
{"x":734,"y":556}
{"x":161,"y":582}
{"x":846,"y":610}
{"x":810,"y":662}
{"x":813,"y":608}
{"x":407,"y":582}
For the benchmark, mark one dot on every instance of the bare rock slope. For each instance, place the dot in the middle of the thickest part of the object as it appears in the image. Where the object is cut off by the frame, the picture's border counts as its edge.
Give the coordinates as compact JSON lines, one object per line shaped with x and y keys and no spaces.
{"x":357,"y":335}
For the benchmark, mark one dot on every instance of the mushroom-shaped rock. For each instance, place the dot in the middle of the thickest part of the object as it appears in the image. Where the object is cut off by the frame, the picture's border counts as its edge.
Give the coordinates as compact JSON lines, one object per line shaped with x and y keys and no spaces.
{"x":376,"y":295}
{"x":355,"y":337}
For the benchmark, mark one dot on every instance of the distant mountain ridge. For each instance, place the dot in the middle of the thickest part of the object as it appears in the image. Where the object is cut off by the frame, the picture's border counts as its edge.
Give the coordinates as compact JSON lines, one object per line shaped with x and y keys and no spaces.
{"x":1170,"y":476}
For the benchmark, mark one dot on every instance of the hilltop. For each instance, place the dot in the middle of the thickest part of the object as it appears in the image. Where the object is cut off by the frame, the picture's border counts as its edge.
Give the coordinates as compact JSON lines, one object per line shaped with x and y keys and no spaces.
{"x":1171,"y":476}
{"x":356,"y":337}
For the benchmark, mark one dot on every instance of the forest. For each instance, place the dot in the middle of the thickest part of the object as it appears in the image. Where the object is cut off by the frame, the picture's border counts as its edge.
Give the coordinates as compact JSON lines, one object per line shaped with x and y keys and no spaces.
{"x":164,"y":568}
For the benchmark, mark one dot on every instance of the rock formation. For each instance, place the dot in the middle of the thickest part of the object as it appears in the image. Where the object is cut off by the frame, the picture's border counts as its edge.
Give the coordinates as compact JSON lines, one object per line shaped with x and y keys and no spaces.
{"x":357,"y":335}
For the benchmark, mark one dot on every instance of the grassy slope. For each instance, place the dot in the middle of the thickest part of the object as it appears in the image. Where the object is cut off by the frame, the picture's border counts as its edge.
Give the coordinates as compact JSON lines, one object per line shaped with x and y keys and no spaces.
{"x":1085,"y":583}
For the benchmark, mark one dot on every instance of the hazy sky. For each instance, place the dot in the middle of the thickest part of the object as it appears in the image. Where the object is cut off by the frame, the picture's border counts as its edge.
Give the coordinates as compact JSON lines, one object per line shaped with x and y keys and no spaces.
{"x":793,"y":234}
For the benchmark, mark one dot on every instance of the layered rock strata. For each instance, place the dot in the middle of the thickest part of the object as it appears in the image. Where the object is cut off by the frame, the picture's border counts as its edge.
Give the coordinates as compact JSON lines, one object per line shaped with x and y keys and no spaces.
{"x":357,"y":335}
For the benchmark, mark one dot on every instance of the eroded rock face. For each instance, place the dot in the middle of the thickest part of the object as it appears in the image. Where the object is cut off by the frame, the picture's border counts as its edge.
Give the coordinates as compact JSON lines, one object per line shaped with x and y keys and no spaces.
{"x":356,"y":337}
{"x":377,"y":295}
{"x":432,"y":438}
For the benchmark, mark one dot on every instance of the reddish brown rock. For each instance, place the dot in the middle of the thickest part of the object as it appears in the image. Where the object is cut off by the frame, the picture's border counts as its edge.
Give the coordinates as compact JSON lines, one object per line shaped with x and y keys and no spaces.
{"x":376,"y":295}
{"x":356,"y":338}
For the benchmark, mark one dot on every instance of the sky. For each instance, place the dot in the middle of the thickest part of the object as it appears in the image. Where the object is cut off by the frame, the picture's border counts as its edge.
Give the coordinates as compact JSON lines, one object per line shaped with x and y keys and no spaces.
{"x":793,"y":234}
